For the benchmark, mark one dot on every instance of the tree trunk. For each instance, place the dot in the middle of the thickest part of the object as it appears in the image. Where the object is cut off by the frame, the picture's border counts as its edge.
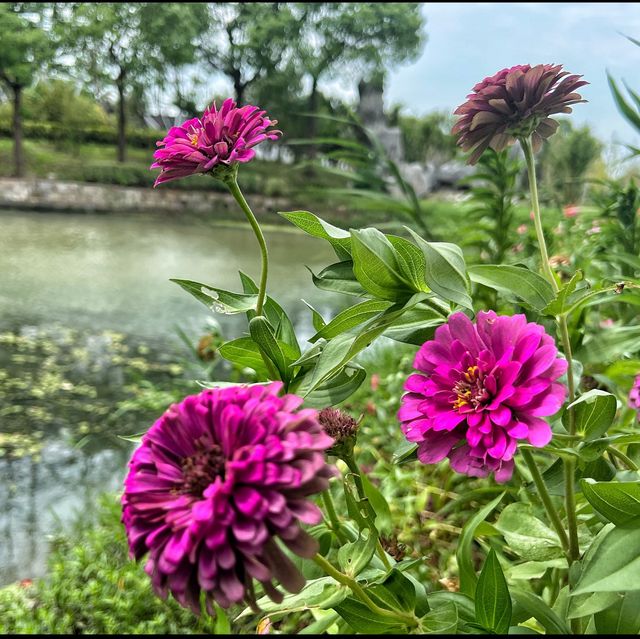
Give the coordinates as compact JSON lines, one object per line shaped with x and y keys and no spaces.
{"x":313,"y":122}
{"x":18,"y":154}
{"x":122,"y":121}
{"x":238,"y":88}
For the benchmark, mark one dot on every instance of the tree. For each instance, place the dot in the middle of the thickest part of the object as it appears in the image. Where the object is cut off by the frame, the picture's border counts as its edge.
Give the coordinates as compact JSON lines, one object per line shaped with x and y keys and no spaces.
{"x":127,"y":45}
{"x":361,"y":37}
{"x":24,"y":49}
{"x":248,"y":42}
{"x":566,"y":160}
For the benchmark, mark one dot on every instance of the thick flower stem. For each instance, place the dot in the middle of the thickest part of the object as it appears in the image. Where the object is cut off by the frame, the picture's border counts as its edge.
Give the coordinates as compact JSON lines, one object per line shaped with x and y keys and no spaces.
{"x":330,"y":509}
{"x":371,"y":515}
{"x":407,"y":619}
{"x":569,"y":464}
{"x":232,"y":185}
{"x":546,"y":499}
{"x":537,"y":219}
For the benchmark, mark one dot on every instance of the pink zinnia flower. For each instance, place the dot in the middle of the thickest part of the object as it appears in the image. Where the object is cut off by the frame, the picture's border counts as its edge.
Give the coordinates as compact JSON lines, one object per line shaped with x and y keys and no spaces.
{"x":522,"y":229}
{"x":634,"y":396}
{"x":480,"y":388}
{"x":515,"y":103}
{"x":221,"y":138}
{"x":571,"y":210}
{"x":214,"y":482}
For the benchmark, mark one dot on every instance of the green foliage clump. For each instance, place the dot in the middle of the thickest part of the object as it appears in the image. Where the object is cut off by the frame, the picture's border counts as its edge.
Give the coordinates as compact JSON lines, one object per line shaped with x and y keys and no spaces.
{"x":93,"y":587}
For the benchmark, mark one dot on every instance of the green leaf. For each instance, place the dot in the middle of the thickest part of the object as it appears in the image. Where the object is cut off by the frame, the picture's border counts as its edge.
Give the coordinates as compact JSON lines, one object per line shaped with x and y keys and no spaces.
{"x":319,"y":626}
{"x":350,"y":318}
{"x":622,"y":618}
{"x":283,"y":327}
{"x":406,"y":452}
{"x":223,"y":625}
{"x":317,"y":319}
{"x":416,"y":326}
{"x":217,"y":299}
{"x":377,"y":267}
{"x":311,"y":224}
{"x":609,"y":344}
{"x":445,"y":272}
{"x":625,"y":108}
{"x":493,"y":603}
{"x":262,"y":335}
{"x":464,"y":605}
{"x":363,"y":620}
{"x":619,"y":502}
{"x":527,"y":535}
{"x":468,"y":578}
{"x":354,"y":557}
{"x":442,"y":620}
{"x":535,"y":607}
{"x":560,"y":304}
{"x":534,"y":569}
{"x":594,"y":412}
{"x":411,"y":260}
{"x":384,"y":522}
{"x":589,"y":603}
{"x":523,"y":284}
{"x":343,"y":348}
{"x":615,"y":565}
{"x":402,"y":589}
{"x":244,"y":352}
{"x":322,"y":593}
{"x":338,"y":278}
{"x":335,"y":389}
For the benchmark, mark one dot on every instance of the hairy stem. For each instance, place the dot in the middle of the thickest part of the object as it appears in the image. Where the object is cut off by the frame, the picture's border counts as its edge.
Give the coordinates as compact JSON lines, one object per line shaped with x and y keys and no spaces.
{"x":232,"y":185}
{"x":569,"y":464}
{"x":329,"y":507}
{"x":371,"y":515}
{"x":358,"y":591}
{"x":546,"y":498}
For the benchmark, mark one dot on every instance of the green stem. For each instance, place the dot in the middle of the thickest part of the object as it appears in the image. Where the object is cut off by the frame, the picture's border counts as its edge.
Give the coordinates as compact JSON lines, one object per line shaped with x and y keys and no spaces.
{"x":232,"y":185}
{"x":569,"y":464}
{"x":359,"y":592}
{"x":537,"y":219}
{"x":371,"y":515}
{"x":327,"y":500}
{"x":546,"y":499}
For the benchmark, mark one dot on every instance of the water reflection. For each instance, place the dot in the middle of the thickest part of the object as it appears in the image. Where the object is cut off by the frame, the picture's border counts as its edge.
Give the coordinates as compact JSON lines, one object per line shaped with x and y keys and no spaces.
{"x":70,"y":285}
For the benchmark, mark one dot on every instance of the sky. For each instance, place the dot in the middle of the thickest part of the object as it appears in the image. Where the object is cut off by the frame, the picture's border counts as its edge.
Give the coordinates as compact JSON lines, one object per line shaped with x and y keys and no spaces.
{"x":468,"y":41}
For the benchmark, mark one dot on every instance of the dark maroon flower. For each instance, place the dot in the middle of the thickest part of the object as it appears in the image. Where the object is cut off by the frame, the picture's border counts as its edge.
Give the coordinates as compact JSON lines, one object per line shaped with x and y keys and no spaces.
{"x":221,"y":138}
{"x":216,"y":480}
{"x":479,"y":389}
{"x":515,"y":103}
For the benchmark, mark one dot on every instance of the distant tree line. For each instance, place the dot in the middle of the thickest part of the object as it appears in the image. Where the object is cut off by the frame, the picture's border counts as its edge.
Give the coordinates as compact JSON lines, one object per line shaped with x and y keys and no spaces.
{"x":274,"y":53}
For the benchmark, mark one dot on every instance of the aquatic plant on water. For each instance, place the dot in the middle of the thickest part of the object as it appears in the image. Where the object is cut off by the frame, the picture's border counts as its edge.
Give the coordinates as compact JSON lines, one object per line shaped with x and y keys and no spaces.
{"x":220,"y":493}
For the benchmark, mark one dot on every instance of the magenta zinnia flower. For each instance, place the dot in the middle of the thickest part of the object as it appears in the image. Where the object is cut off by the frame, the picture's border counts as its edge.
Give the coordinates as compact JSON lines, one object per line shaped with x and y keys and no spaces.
{"x":480,"y":388}
{"x":515,"y":103}
{"x":220,"y":138}
{"x":634,"y":396}
{"x":216,"y":480}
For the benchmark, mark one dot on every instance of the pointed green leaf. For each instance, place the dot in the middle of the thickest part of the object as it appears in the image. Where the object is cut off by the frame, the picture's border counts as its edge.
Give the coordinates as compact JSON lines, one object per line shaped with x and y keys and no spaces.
{"x":217,"y":299}
{"x":594,"y":412}
{"x":517,"y":281}
{"x":468,"y":578}
{"x":445,"y":272}
{"x":493,"y":603}
{"x":350,"y":318}
{"x":338,"y":278}
{"x":619,"y":502}
{"x":311,"y":224}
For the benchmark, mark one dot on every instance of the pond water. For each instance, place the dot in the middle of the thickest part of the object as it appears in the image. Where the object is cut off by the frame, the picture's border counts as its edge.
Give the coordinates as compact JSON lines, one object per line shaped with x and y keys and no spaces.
{"x":88,"y":318}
